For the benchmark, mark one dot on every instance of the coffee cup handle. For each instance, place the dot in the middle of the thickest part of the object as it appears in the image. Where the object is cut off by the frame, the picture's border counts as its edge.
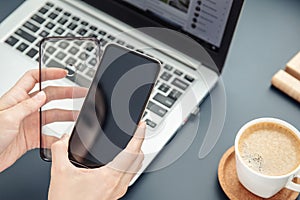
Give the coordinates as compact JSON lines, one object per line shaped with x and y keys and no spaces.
{"x":294,"y":186}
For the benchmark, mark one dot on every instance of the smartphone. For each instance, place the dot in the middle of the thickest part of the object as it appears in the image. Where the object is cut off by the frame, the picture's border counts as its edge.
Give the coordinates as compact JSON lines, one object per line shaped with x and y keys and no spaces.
{"x":113,"y":107}
{"x":58,"y":116}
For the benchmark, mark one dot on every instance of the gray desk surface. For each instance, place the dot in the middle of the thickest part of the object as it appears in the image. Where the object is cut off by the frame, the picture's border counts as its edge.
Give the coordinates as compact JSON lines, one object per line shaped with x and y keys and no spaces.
{"x":267,"y":36}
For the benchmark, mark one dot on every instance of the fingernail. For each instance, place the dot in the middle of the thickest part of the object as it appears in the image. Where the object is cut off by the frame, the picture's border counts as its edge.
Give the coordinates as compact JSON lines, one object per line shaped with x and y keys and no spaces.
{"x":40,"y":96}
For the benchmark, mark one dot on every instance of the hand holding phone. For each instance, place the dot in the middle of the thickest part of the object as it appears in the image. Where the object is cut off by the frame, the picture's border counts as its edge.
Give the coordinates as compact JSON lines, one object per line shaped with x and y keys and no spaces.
{"x":113,"y":106}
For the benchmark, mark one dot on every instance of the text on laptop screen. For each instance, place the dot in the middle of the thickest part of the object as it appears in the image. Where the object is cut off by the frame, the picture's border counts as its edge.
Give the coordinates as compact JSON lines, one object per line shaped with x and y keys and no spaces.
{"x":203,"y":19}
{"x":211,"y":23}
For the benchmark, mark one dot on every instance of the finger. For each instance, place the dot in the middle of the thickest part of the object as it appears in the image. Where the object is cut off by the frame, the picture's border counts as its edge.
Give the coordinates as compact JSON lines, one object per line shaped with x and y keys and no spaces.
{"x":26,"y":83}
{"x":127,"y":157}
{"x":59,"y":152}
{"x":31,"y":77}
{"x":58,"y":115}
{"x":133,"y":170}
{"x":136,"y":142}
{"x":28,"y":106}
{"x":47,"y":141}
{"x":56,"y":92}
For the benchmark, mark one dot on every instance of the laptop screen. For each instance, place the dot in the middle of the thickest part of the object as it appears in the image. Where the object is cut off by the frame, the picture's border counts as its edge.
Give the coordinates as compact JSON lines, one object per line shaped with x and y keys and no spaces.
{"x":211,"y":23}
{"x":204,"y":20}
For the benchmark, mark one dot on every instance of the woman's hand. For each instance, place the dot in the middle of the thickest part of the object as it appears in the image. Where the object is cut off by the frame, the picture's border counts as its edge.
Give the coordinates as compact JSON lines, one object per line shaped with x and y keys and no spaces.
{"x":106,"y":183}
{"x":19,"y":117}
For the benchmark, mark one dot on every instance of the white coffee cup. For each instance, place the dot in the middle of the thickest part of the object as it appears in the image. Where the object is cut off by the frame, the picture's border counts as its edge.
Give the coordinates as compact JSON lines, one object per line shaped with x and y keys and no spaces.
{"x":260,"y":184}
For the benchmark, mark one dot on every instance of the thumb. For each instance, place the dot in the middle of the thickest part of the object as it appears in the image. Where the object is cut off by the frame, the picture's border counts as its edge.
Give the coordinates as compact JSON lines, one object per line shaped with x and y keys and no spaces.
{"x":59,"y":151}
{"x":28,"y":106}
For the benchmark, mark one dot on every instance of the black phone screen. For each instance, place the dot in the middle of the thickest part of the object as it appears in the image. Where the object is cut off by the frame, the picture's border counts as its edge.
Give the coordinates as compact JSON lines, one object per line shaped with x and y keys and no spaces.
{"x":113,"y":106}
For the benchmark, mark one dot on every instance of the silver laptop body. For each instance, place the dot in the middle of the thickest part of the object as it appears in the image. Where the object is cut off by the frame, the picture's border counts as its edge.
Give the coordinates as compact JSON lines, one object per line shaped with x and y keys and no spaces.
{"x":21,"y":31}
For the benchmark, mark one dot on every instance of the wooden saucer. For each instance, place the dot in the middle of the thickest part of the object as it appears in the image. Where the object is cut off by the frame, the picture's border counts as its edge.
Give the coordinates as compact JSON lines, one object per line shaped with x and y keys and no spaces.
{"x":235,"y":190}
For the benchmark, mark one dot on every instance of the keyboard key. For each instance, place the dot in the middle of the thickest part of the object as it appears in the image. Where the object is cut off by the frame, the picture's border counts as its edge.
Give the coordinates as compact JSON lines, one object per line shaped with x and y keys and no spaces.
{"x":156,"y":109}
{"x":167,"y":101}
{"x":129,"y":46}
{"x":53,"y":63}
{"x":67,"y":14}
{"x":91,"y":73}
{"x":50,"y":25}
{"x":111,"y":37}
{"x":164,"y":87}
{"x":62,"y":21}
{"x":60,"y":55}
{"x":70,"y":35}
{"x":145,"y":113}
{"x":31,"y":53}
{"x":25,"y":35}
{"x":22,"y":47}
{"x":177,"y":72}
{"x":82,"y":31}
{"x":63,"y":45}
{"x":166,"y":76}
{"x":52,"y":15}
{"x":38,"y":19}
{"x":103,"y":42}
{"x":174,"y":94}
{"x":168,"y":67}
{"x":189,"y":78}
{"x":43,"y":10}
{"x":84,"y":23}
{"x":51,"y":50}
{"x":180,"y":84}
{"x":44,"y":34}
{"x":157,"y":82}
{"x":37,"y":44}
{"x":81,"y":67}
{"x":79,"y":42}
{"x":102,"y":33}
{"x":31,"y":26}
{"x":75,"y":19}
{"x":71,"y":61}
{"x":120,"y":42}
{"x":90,"y":48}
{"x":49,"y":4}
{"x":83,"y":56}
{"x":44,"y":58}
{"x":150,"y":123}
{"x":93,"y":35}
{"x":59,"y":31}
{"x":93,"y":28}
{"x":140,"y":51}
{"x":93,"y":62}
{"x":73,"y":50}
{"x":58,"y":9}
{"x":11,"y":41}
{"x":72,"y":26}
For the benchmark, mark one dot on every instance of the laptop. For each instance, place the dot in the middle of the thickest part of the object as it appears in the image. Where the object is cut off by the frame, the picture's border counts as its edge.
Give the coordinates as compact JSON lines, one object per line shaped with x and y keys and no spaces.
{"x":168,"y":30}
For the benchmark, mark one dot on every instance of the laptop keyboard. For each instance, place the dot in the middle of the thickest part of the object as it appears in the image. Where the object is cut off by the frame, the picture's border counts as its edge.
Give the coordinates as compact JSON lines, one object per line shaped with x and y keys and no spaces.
{"x":51,"y":20}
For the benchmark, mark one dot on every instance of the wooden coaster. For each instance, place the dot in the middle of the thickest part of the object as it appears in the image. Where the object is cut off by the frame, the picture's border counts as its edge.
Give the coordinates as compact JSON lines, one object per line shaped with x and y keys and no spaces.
{"x":235,"y":190}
